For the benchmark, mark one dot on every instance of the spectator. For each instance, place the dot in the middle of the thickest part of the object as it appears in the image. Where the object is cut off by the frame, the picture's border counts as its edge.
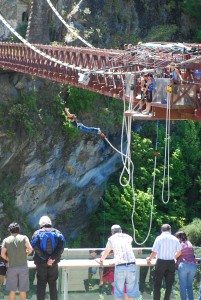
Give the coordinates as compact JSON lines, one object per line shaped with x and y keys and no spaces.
{"x":48,"y":244}
{"x":142,"y":93}
{"x":3,"y":269}
{"x":148,"y":87}
{"x":125,"y":268}
{"x":15,"y":249}
{"x":175,"y":79}
{"x":166,"y":247}
{"x":186,"y":267}
{"x":174,"y":74}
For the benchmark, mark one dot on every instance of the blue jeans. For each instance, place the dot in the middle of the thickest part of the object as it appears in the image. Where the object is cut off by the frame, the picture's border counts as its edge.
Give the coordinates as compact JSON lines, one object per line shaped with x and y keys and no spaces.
{"x":186,"y":273}
{"x":126,"y":275}
{"x":86,"y":129}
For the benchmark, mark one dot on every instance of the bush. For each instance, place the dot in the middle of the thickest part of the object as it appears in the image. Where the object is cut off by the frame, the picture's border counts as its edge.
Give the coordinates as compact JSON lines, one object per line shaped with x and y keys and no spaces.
{"x":193,"y":232}
{"x":163,"y":33}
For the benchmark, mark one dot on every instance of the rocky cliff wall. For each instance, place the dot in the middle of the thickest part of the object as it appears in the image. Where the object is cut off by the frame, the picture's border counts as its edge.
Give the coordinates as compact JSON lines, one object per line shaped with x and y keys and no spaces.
{"x":52,"y":175}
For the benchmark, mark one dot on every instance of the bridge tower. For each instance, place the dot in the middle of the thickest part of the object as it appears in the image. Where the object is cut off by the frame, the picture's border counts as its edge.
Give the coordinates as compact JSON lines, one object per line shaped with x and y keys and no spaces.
{"x":38,"y":27}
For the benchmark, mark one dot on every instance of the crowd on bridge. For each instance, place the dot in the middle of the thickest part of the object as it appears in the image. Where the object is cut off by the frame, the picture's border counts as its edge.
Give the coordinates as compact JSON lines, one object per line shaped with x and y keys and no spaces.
{"x":172,"y":252}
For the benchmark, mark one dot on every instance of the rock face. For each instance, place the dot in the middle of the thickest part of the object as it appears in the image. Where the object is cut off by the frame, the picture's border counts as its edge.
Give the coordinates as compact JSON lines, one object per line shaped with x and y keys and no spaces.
{"x":53,"y":176}
{"x":62,"y":184}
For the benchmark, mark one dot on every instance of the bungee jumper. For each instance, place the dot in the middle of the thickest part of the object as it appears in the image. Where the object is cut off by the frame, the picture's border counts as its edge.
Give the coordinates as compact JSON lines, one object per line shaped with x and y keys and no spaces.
{"x":81,"y":127}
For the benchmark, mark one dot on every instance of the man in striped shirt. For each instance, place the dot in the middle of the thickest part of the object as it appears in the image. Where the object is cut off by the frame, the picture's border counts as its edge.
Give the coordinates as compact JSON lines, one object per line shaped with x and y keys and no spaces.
{"x":166,"y":249}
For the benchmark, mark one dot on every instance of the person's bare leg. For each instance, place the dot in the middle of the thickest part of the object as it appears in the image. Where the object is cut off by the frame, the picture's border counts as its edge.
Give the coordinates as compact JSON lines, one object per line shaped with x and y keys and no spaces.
{"x":23,"y":295}
{"x":11,"y":295}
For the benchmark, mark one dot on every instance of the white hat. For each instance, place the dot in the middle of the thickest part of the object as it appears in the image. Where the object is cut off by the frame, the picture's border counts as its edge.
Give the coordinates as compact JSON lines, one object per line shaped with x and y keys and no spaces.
{"x":115,"y":227}
{"x":45,"y":220}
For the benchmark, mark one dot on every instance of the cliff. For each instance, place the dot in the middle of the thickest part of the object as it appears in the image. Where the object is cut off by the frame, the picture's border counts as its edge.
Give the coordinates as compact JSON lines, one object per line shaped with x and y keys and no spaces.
{"x":51,"y":172}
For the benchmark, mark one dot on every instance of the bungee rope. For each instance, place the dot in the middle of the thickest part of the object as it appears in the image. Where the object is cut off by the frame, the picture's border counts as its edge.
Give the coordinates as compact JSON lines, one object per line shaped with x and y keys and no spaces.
{"x":152,"y":200}
{"x":167,"y":151}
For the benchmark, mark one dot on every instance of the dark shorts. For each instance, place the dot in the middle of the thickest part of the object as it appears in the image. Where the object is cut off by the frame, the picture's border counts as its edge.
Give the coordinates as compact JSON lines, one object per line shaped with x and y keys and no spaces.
{"x":149,"y":96}
{"x":174,"y":88}
{"x":17,"y":278}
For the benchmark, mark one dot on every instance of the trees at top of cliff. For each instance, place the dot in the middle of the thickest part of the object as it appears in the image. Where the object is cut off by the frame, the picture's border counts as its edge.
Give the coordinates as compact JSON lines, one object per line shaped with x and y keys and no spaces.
{"x":38,"y":28}
{"x":192,"y":11}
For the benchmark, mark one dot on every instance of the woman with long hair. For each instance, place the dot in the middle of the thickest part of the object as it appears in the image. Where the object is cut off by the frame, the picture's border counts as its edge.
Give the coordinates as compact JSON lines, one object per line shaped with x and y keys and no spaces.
{"x":186,"y":263}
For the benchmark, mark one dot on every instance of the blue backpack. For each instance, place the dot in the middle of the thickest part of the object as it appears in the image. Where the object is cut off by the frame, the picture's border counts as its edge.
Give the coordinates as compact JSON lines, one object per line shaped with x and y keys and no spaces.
{"x":48,"y":240}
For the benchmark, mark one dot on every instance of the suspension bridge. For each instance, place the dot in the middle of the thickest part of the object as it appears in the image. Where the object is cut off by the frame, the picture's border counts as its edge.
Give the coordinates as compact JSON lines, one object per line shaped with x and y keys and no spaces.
{"x":113,"y":72}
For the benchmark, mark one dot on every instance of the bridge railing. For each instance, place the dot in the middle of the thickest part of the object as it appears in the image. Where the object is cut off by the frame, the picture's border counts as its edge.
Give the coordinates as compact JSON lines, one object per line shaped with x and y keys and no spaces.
{"x":80,"y":276}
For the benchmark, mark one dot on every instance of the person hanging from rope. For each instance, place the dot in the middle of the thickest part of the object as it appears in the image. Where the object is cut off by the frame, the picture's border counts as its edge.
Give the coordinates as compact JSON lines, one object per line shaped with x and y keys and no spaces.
{"x":81,"y":127}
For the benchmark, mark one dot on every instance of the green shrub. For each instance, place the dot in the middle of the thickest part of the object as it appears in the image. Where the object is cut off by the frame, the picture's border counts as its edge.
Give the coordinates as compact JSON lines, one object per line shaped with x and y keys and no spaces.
{"x":163,"y":33}
{"x":193,"y":232}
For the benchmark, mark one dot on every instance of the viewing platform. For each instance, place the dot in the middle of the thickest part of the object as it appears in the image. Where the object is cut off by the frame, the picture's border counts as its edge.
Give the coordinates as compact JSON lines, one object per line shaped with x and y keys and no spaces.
{"x":75,"y":283}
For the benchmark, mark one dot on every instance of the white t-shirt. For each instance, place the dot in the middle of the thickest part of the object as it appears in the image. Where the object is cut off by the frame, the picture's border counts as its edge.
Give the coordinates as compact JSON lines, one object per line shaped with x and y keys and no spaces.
{"x":121,"y":244}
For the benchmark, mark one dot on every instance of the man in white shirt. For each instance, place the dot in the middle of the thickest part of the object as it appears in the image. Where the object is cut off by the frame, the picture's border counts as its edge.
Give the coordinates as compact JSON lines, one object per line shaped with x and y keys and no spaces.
{"x":166,"y":248}
{"x":125,"y":267}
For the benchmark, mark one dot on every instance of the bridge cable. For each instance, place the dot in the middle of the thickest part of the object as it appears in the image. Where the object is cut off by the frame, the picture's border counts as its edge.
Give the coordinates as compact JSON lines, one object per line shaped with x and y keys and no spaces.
{"x":36,"y":49}
{"x":66,"y":25}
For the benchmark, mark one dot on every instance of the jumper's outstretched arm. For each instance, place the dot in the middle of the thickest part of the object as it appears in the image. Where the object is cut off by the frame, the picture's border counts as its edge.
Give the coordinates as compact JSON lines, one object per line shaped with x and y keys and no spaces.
{"x":70,"y":116}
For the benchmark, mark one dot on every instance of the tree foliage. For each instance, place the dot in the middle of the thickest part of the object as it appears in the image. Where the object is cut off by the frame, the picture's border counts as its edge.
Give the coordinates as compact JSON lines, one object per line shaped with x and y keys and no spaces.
{"x":185,"y":159}
{"x":193,"y":232}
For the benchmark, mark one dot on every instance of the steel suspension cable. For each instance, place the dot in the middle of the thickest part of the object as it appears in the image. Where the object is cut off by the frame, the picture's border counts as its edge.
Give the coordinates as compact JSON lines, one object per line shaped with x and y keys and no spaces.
{"x":67,"y":26}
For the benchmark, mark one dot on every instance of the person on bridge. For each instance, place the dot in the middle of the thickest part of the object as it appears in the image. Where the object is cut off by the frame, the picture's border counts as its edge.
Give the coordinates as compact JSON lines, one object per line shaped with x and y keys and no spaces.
{"x":175,"y":80}
{"x":125,"y":267}
{"x":186,"y":265}
{"x":166,"y":248}
{"x":48,"y":244}
{"x":15,"y":249}
{"x":72,"y":118}
{"x":148,"y":88}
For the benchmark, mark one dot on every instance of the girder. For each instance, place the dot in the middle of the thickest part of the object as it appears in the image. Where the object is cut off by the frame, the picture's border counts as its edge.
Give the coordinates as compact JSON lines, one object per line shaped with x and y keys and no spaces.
{"x":107,"y":69}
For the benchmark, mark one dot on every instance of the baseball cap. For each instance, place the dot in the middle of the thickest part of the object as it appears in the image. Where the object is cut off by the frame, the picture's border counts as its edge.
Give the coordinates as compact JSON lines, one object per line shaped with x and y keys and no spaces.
{"x":45,"y":220}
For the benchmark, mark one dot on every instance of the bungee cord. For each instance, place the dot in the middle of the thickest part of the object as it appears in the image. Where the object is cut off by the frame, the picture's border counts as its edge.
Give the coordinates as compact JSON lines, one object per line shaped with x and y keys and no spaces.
{"x":167,"y":152}
{"x":152,"y":200}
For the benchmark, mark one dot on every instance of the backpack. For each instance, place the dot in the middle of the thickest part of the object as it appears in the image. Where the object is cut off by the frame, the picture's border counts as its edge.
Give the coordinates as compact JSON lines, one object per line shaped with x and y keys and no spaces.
{"x":48,"y":240}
